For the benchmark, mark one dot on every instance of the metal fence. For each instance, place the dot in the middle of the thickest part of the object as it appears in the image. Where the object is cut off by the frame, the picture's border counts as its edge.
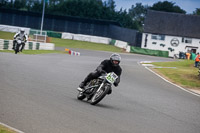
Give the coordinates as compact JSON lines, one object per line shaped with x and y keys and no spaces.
{"x":70,"y":24}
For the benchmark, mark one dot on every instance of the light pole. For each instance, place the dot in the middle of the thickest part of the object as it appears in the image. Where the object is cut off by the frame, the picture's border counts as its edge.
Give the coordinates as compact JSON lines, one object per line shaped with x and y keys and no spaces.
{"x":42,"y":17}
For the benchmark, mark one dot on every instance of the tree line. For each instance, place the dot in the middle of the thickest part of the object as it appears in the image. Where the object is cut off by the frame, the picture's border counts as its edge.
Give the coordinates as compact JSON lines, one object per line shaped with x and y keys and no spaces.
{"x":132,"y":18}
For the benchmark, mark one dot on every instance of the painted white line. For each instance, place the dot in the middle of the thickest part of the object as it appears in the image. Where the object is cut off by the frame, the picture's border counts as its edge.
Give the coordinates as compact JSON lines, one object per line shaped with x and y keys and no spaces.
{"x":145,"y":62}
{"x":150,"y":65}
{"x":191,"y":92}
{"x":14,"y":129}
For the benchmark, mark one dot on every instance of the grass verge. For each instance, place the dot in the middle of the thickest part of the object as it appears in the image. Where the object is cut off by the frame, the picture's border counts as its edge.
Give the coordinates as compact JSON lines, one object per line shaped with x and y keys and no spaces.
{"x":34,"y":51}
{"x":185,"y":74}
{"x":6,"y":35}
{"x":4,"y":129}
{"x":84,"y":45}
{"x":71,"y":43}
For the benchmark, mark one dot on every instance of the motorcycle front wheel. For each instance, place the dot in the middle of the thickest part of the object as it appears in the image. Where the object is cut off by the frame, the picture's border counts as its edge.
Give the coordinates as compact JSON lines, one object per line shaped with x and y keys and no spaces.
{"x":98,"y":96}
{"x":17,"y":48}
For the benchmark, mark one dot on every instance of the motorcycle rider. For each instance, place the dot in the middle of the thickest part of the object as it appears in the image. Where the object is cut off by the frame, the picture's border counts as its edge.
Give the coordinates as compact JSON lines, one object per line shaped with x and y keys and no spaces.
{"x":108,"y":65}
{"x":197,"y":60}
{"x":21,"y":34}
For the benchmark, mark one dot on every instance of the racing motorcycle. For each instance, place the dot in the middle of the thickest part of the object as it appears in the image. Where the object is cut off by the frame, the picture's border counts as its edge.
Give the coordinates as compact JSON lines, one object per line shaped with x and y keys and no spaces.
{"x":18,"y":44}
{"x":97,"y":89}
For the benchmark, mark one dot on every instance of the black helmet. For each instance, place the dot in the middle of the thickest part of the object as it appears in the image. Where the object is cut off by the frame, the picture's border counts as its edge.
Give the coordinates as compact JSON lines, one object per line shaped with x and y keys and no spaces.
{"x":115,"y":59}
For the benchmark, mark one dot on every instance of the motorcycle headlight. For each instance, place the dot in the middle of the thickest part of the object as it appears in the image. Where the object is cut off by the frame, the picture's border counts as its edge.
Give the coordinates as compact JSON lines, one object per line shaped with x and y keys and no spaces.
{"x":19,"y":41}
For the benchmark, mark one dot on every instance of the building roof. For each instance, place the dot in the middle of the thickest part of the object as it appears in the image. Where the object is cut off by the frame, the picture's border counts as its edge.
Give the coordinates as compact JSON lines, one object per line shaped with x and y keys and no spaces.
{"x":174,"y":24}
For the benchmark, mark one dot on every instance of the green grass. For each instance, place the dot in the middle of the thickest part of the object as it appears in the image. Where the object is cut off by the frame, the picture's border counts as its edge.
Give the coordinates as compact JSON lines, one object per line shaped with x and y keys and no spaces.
{"x":4,"y":129}
{"x":41,"y":51}
{"x":6,"y":35}
{"x":185,"y":73}
{"x":34,"y":51}
{"x":84,"y":45}
{"x":71,"y":43}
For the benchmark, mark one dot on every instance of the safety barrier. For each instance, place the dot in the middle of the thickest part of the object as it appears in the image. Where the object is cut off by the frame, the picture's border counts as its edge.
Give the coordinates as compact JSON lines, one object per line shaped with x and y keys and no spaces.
{"x":13,"y":29}
{"x":149,"y":52}
{"x":87,"y":38}
{"x":72,"y":52}
{"x":121,"y":44}
{"x":8,"y":44}
{"x":48,"y":33}
{"x":54,"y":34}
{"x":95,"y":39}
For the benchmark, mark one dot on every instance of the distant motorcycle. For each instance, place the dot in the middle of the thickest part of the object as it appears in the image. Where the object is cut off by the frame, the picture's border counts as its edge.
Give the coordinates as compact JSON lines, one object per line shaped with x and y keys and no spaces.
{"x":18,"y":45}
{"x":98,"y":88}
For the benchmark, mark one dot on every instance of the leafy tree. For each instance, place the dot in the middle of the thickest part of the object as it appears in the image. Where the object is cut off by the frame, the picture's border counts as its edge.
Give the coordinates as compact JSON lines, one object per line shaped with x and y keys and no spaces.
{"x":138,"y":13}
{"x":111,"y":5}
{"x":19,"y":4}
{"x":197,"y":11}
{"x":94,"y":9}
{"x":167,"y":7}
{"x":37,"y":6}
{"x":4,"y":3}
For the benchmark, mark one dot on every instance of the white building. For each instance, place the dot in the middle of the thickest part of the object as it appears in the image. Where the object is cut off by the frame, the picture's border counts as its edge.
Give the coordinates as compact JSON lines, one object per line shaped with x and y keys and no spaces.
{"x":171,"y":32}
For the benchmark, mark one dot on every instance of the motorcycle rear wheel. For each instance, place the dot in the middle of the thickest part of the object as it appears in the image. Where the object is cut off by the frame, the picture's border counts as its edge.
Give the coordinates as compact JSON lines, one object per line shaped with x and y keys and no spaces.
{"x":80,"y":96}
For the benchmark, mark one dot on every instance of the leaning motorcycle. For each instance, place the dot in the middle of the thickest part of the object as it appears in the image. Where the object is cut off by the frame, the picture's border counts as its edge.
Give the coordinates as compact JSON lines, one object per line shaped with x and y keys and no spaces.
{"x":18,"y":45}
{"x":98,"y":88}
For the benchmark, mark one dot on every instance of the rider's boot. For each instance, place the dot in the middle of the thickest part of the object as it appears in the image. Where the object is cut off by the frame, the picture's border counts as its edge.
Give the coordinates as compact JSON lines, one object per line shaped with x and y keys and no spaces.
{"x":81,"y":87}
{"x":13,"y":46}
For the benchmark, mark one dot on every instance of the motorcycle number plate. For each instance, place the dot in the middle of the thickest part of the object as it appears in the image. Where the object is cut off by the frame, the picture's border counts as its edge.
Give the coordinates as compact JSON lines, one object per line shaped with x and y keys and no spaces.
{"x":111,"y":77}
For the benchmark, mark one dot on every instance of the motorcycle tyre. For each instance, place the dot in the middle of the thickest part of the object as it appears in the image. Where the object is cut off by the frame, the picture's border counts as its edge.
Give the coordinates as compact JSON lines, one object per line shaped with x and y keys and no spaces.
{"x":99,"y":98}
{"x":17,"y":48}
{"x":80,"y":97}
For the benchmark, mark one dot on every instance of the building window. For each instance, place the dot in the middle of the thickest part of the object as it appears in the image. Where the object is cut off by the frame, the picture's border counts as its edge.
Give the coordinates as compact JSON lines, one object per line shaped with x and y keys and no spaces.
{"x":186,"y":40}
{"x":157,"y":37}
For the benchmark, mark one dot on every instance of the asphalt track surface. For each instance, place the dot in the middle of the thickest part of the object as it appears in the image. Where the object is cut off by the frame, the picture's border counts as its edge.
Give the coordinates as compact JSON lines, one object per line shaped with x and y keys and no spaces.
{"x":38,"y":95}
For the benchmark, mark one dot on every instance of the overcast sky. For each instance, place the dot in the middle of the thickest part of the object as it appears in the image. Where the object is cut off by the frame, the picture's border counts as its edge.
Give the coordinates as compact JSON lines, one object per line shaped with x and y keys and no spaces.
{"x":188,"y":5}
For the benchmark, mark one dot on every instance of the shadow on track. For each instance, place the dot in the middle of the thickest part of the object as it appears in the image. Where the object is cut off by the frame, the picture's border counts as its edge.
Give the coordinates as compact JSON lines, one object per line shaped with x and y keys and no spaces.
{"x":99,"y":105}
